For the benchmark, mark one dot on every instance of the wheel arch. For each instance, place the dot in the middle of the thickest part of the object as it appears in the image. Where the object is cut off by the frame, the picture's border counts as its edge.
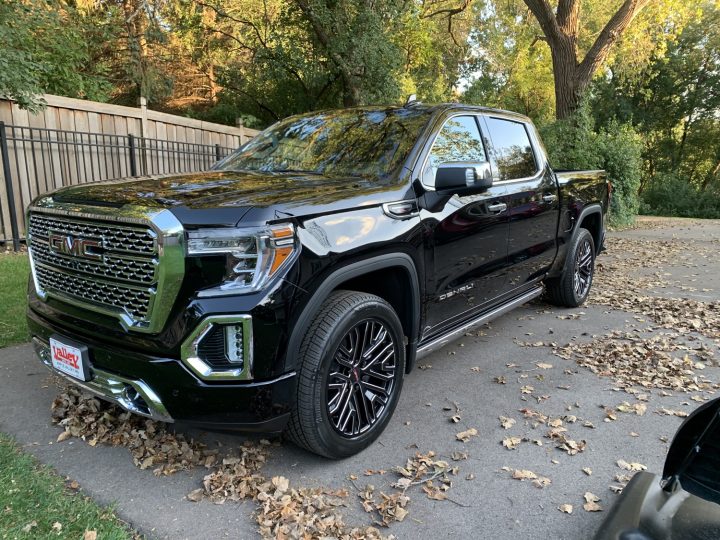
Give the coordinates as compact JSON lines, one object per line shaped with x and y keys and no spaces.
{"x":591,"y":215}
{"x":591,"y":218}
{"x":401,"y":289}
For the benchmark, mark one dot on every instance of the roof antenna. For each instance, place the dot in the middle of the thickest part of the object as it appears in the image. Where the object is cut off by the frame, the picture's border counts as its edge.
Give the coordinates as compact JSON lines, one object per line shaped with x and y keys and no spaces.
{"x":411,"y":100}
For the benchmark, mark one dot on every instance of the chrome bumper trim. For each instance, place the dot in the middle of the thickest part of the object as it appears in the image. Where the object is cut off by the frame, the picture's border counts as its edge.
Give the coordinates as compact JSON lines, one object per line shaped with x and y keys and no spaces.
{"x":130,"y":394}
{"x":189,"y":349}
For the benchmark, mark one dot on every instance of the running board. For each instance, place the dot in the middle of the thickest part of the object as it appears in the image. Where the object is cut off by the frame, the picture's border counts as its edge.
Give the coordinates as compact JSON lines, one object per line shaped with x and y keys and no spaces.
{"x":437,"y":343}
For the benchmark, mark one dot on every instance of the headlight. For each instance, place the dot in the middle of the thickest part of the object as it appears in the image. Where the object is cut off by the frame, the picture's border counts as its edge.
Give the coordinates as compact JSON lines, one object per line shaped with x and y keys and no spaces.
{"x":254,"y":255}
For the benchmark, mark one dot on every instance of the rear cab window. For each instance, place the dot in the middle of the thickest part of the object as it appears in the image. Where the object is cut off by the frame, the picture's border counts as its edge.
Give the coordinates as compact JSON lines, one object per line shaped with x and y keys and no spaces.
{"x":513,"y":151}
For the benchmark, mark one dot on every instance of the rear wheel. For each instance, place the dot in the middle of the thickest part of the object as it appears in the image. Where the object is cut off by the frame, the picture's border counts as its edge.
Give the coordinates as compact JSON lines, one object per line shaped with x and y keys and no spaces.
{"x":572,"y":288}
{"x":351,"y":367}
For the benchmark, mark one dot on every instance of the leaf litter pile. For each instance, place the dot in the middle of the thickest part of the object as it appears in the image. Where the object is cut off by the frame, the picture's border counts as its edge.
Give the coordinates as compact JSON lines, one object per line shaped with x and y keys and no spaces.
{"x":663,"y":361}
{"x":620,"y":283}
{"x":284,"y":511}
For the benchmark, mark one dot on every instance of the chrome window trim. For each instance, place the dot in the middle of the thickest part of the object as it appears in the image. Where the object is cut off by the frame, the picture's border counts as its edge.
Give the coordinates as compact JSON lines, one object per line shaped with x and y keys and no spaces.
{"x":170,"y":241}
{"x":189,"y":349}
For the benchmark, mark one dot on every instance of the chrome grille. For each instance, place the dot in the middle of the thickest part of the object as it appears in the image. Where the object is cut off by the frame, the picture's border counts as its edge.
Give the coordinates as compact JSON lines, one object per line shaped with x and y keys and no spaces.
{"x":123,"y":280}
{"x":122,"y":238}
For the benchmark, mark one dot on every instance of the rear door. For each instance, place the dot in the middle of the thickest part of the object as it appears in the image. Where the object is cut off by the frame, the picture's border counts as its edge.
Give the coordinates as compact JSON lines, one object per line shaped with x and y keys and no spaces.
{"x":533,"y":198}
{"x":468,"y":233}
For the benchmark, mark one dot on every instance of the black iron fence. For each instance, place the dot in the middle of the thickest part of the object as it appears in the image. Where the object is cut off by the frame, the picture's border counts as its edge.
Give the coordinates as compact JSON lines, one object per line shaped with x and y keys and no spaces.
{"x":37,"y":160}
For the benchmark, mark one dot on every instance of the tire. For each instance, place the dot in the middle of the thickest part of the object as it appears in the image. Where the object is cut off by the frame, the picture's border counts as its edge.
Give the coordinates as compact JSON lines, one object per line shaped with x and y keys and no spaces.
{"x":331,"y":415}
{"x":572,"y":288}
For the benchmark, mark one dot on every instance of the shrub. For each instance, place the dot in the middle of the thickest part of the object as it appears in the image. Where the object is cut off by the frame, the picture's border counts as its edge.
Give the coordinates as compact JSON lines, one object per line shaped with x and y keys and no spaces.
{"x":670,"y":195}
{"x":575,"y":144}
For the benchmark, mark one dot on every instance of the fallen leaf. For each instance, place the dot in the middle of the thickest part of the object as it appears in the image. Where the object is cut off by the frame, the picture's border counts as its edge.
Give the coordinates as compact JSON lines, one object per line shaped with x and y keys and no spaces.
{"x":523,"y":474}
{"x":566,"y":508}
{"x":542,"y":365}
{"x":631,"y":466}
{"x":506,"y":422}
{"x":511,"y":443}
{"x":464,"y":436}
{"x":541,"y":482}
{"x":90,"y":535}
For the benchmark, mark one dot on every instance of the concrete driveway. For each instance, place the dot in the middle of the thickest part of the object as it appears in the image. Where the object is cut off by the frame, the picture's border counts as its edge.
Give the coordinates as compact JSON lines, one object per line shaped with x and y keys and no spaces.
{"x":489,"y":374}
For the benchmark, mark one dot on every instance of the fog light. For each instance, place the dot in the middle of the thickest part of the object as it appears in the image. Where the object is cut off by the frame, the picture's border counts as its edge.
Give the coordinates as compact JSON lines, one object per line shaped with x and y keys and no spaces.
{"x":234,"y":350}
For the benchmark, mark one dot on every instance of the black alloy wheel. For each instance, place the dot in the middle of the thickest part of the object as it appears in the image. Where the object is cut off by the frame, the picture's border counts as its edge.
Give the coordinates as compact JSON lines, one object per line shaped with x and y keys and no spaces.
{"x":362,"y":378}
{"x":582,"y":277}
{"x":572,"y":288}
{"x":350,"y":372}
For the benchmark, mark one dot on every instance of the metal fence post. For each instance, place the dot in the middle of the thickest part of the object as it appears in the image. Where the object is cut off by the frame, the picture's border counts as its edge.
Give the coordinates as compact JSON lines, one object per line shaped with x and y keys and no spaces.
{"x":9,"y":187}
{"x":218,"y":157}
{"x":133,"y":159}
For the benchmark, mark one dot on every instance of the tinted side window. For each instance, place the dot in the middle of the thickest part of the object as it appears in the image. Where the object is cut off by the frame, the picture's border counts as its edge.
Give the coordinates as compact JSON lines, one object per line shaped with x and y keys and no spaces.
{"x":513,"y":151}
{"x":458,"y":140}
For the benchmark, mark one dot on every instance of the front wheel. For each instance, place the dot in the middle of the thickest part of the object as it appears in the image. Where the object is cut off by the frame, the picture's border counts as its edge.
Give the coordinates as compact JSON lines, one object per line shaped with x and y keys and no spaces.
{"x":351,"y":367}
{"x":572,"y":288}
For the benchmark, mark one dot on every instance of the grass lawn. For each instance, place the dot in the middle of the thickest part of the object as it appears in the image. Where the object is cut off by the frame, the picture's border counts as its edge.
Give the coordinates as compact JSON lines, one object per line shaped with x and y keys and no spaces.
{"x":14,"y":270}
{"x":35,"y":503}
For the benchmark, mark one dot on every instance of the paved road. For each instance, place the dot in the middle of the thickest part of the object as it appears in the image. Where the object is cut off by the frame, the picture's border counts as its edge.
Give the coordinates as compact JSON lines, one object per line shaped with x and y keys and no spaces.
{"x":492,"y":505}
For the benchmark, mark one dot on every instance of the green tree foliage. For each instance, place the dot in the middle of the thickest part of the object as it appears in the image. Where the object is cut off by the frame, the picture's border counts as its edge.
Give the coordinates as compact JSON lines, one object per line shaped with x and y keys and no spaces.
{"x":575,"y":143}
{"x":47,"y":48}
{"x":657,"y":86}
{"x":674,"y":102}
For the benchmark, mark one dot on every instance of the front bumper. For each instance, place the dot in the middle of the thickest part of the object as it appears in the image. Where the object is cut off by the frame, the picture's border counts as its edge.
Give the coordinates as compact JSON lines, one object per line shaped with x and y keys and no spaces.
{"x":165,"y":389}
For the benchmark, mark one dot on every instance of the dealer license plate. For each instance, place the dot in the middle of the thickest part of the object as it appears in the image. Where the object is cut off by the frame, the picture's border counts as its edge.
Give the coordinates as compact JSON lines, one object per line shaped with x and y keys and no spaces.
{"x":70,"y":359}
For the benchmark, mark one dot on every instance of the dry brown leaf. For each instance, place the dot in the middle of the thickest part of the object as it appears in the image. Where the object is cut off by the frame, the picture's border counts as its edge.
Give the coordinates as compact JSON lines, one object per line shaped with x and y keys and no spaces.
{"x":541,"y":482}
{"x":511,"y":443}
{"x":566,"y":508}
{"x":465,"y":436}
{"x":631,"y":466}
{"x":506,"y":422}
{"x":523,"y":474}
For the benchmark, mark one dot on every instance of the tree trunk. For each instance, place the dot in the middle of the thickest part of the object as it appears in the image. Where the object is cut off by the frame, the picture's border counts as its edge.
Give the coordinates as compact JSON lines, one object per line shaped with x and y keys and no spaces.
{"x":561,"y":28}
{"x":567,"y":97}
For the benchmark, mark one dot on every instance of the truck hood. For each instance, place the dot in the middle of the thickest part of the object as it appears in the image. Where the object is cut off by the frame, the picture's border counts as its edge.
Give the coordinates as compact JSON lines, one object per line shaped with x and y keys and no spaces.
{"x":290,"y":194}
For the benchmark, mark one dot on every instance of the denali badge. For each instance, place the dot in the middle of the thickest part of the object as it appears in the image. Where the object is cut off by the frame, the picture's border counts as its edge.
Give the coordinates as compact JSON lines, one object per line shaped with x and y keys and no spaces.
{"x":457,"y":291}
{"x":77,"y":247}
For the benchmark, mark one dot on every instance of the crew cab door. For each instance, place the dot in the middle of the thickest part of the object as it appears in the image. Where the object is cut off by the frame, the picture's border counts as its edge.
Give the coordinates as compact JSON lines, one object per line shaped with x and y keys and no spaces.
{"x":532,"y":194}
{"x":467,"y":232}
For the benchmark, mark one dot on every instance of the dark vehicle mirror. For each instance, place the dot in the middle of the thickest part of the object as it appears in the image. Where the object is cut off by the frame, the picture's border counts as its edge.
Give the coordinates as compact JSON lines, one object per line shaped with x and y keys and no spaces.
{"x":461,"y":176}
{"x":692,"y":454}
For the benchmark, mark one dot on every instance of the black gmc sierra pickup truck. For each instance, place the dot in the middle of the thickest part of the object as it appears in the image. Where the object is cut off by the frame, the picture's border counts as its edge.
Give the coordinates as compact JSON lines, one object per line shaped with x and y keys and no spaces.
{"x":295,"y":284}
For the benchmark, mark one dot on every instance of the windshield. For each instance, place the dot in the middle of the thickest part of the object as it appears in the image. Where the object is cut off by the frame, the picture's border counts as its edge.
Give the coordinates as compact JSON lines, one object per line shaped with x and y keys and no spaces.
{"x":356,"y":142}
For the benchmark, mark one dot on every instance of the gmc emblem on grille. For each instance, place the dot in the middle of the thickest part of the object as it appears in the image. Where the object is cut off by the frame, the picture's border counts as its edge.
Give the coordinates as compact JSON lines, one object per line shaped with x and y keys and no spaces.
{"x":77,"y":247}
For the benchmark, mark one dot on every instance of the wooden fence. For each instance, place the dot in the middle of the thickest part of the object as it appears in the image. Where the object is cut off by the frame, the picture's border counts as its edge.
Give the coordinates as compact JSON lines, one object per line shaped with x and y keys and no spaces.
{"x":74,"y":141}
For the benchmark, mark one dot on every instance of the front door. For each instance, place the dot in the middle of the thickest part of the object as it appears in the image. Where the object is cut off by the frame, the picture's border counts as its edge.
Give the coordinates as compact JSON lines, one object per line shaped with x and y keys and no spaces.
{"x":468,"y":233}
{"x":533,"y":200}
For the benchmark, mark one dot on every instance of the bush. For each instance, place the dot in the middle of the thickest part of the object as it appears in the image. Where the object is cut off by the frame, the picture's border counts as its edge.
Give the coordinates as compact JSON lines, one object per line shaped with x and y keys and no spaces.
{"x":575,"y":144}
{"x":670,"y":195}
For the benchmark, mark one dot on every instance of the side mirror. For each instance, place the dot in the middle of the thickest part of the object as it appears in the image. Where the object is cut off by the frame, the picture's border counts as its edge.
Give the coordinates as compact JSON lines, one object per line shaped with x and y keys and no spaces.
{"x":462,"y":175}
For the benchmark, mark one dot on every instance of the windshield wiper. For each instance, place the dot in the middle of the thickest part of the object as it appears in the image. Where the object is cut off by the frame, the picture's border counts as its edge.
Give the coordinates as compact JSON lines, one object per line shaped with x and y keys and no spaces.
{"x":300,"y":171}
